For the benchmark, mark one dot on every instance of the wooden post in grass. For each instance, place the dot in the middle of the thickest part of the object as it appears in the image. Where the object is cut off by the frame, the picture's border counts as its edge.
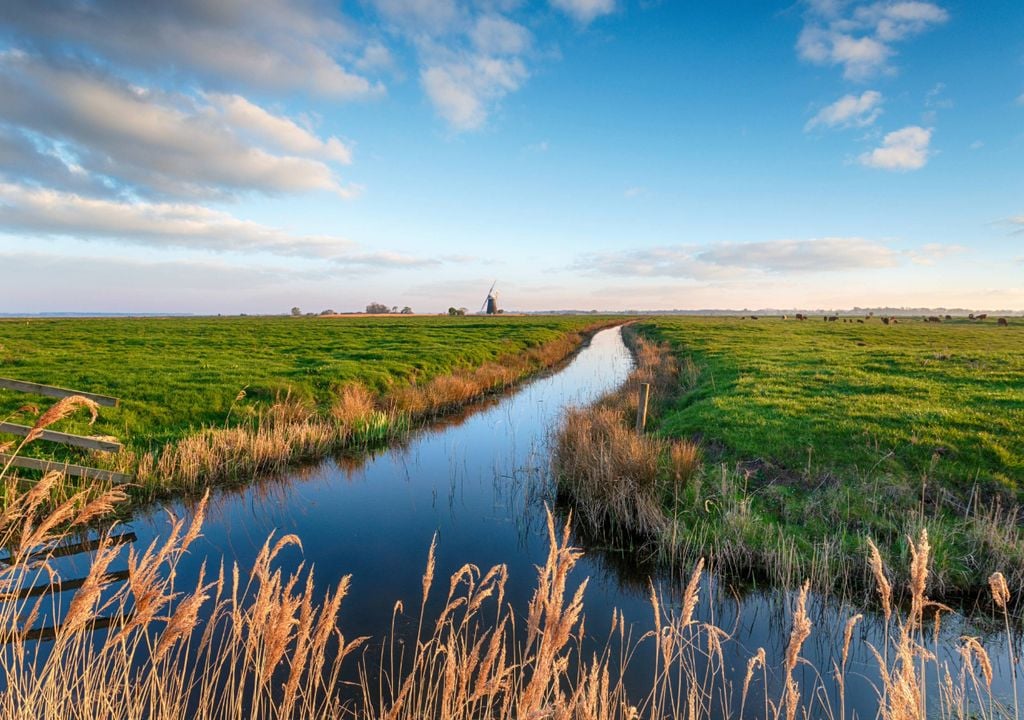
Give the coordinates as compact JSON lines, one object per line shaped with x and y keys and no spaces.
{"x":641,"y":407}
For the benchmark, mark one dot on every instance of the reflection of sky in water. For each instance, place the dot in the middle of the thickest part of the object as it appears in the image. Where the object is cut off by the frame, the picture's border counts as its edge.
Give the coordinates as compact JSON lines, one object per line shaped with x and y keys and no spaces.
{"x":479,"y":483}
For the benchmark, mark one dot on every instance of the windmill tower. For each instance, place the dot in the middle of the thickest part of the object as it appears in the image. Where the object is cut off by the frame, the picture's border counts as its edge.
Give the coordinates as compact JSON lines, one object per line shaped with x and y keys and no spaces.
{"x":490,"y":305}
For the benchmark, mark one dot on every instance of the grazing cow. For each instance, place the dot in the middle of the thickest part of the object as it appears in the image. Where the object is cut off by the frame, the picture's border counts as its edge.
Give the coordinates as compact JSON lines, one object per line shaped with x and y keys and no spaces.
{"x":832,"y":318}
{"x":949,"y":317}
{"x":983,"y":316}
{"x":860,"y":321}
{"x":1002,"y":321}
{"x":970,"y":316}
{"x":933,"y":318}
{"x":885,"y":320}
{"x":753,"y":317}
{"x":801,"y":316}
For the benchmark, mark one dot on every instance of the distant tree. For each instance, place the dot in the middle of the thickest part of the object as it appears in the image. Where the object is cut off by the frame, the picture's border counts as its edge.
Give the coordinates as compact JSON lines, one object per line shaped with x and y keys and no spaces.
{"x":296,"y":311}
{"x":463,"y":311}
{"x":328,"y":312}
{"x":376,"y":308}
{"x":452,"y":311}
{"x":394,"y":308}
{"x":407,"y":310}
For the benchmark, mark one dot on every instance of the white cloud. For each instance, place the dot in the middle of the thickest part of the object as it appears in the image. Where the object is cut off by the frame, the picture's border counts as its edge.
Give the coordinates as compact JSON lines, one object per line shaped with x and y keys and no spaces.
{"x":157,"y":143}
{"x":905,"y":149}
{"x":894,"y":21}
{"x":433,"y":17}
{"x":41,"y":213}
{"x":585,"y":11}
{"x":497,"y":35}
{"x":815,"y":255}
{"x":849,"y":111}
{"x":280,"y":132}
{"x":463,"y":91}
{"x":737,"y":260}
{"x":859,"y":37}
{"x":930,"y":253}
{"x":272,"y":44}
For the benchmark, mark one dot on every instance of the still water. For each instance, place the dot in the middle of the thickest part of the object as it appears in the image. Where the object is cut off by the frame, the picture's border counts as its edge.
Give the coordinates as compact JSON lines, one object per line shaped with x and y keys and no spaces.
{"x":481,"y":482}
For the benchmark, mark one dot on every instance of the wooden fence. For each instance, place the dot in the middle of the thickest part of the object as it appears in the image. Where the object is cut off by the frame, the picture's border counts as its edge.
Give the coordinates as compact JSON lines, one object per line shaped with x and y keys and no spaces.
{"x":79,"y":441}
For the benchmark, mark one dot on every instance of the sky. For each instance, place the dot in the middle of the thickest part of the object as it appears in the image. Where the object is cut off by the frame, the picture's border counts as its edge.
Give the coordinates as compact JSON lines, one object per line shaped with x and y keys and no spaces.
{"x":228,"y":156}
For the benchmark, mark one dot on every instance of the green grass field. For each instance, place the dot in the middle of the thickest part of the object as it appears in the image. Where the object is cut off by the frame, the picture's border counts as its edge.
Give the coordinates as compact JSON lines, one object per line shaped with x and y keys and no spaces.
{"x":176,"y":375}
{"x":915,"y":399}
{"x":818,"y":436}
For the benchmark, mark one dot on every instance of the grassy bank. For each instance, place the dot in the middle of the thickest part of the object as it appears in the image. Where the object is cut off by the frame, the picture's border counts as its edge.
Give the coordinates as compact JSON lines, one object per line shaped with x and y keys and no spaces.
{"x":783,"y":447}
{"x":214,"y":399}
{"x":264,"y":643}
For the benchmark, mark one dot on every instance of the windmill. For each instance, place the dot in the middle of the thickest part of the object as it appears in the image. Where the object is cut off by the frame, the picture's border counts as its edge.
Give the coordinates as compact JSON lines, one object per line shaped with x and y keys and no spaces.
{"x":490,"y":305}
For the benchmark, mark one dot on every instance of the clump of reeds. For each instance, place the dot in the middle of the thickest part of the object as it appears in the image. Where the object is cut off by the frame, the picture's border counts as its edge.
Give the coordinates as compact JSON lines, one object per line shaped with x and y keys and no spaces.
{"x":616,"y":477}
{"x":610,"y":471}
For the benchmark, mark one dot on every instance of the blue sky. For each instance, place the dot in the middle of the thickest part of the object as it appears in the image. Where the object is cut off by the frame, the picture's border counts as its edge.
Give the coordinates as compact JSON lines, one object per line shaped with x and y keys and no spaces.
{"x":232,"y":156}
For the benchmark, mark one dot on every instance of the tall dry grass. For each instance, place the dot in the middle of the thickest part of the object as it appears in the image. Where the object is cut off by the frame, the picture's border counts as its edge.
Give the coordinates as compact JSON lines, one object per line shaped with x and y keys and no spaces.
{"x":264,"y":644}
{"x":619,"y":480}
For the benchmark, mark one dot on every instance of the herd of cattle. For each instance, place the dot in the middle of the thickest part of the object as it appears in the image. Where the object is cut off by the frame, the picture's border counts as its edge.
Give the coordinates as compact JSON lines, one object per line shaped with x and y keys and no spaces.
{"x":887,"y":320}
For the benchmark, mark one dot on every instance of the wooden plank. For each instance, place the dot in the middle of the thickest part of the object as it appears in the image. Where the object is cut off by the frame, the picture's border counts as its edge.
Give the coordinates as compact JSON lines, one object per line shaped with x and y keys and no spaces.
{"x":60,"y":586}
{"x":82,"y":547}
{"x":63,"y":438}
{"x":50,"y":632}
{"x":76,"y":470}
{"x":75,"y":548}
{"x":56,"y":392}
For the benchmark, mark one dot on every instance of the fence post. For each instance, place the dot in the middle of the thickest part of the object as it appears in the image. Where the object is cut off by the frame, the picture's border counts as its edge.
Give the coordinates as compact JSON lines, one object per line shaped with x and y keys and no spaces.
{"x":641,"y":407}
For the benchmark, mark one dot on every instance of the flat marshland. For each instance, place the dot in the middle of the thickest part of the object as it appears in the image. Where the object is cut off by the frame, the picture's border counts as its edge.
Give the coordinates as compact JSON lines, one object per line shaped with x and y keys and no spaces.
{"x":779,"y":448}
{"x":206,"y":399}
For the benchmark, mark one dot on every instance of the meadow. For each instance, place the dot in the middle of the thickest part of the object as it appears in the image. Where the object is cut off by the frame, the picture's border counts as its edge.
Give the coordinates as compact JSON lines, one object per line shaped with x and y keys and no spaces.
{"x":937,"y":400}
{"x":236,"y":395}
{"x":779,"y":448}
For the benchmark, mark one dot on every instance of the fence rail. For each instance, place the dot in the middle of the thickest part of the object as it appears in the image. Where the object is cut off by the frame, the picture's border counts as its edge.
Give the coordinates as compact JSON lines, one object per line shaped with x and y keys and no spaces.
{"x":56,"y":392}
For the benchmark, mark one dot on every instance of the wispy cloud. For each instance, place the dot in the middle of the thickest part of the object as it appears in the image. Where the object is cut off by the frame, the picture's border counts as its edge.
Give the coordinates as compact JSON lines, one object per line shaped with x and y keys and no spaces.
{"x":585,"y":11}
{"x":905,"y":149}
{"x":849,"y":111}
{"x":735,"y":260}
{"x":931,"y":253}
{"x":860,"y":37}
{"x":465,"y":90}
{"x":37,"y":212}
